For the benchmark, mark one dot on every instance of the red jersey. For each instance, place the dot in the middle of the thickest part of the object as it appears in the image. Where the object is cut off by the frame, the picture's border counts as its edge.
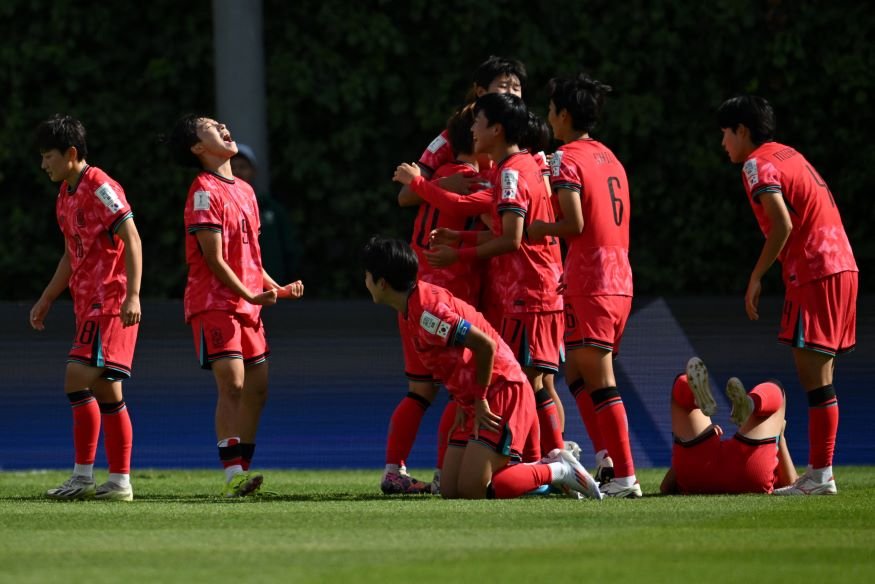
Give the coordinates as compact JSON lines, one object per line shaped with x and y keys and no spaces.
{"x":817,"y":246}
{"x":438,"y":153}
{"x":89,"y":215}
{"x":462,"y":278}
{"x":437,"y":322}
{"x":528,"y":277}
{"x":597,"y":262}
{"x":229,"y":207}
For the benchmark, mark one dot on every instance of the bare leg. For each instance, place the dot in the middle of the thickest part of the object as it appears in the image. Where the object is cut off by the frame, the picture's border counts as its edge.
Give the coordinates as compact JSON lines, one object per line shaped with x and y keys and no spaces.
{"x":229,"y":375}
{"x":450,"y":472}
{"x":479,"y":463}
{"x":252,"y":401}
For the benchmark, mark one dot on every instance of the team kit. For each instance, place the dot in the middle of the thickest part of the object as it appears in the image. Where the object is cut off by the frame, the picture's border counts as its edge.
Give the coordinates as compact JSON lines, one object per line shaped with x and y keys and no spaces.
{"x":517,"y":269}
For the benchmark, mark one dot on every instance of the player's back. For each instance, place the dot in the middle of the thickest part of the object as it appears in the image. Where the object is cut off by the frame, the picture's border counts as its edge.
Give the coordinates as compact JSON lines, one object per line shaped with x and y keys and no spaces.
{"x":597,"y":262}
{"x":818,"y":245}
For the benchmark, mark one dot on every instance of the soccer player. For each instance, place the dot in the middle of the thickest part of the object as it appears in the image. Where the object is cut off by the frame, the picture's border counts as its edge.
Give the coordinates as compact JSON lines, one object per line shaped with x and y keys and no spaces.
{"x":797,"y":213}
{"x":526,"y":271}
{"x":497,"y":423}
{"x":755,"y":460}
{"x":593,"y":195}
{"x":226,"y":288}
{"x":102,"y":266}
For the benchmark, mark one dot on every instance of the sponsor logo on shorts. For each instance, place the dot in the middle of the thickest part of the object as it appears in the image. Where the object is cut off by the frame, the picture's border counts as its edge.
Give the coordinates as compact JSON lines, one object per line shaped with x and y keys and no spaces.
{"x":216,"y":337}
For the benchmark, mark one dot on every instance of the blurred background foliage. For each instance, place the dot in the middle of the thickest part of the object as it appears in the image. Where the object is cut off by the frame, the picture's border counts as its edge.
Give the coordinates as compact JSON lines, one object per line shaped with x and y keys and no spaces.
{"x":355,"y":88}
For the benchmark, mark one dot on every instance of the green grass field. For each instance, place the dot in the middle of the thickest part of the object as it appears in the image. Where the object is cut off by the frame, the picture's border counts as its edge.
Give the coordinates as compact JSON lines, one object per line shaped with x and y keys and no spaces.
{"x":334,"y":526}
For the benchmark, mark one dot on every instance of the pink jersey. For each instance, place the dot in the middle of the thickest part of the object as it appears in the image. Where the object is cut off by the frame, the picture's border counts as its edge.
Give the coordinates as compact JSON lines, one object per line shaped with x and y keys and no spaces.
{"x":438,"y":322}
{"x":226,"y":206}
{"x":438,"y":153}
{"x":597,"y":262}
{"x":462,"y":278}
{"x":817,"y":246}
{"x":528,"y":277}
{"x":89,"y":214}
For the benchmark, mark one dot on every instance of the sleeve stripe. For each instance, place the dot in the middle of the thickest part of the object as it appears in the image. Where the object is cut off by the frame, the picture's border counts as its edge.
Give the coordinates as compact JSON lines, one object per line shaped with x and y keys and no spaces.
{"x":118,"y":222}
{"x":576,"y":187}
{"x":512,"y":209}
{"x":204,"y":226}
{"x":766,"y":189}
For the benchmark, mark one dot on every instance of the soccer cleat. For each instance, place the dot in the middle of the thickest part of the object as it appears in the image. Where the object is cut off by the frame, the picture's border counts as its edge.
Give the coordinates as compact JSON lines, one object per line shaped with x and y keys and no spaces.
{"x":604,"y":469}
{"x":436,"y":483}
{"x":573,"y":448}
{"x":808,"y":485}
{"x":697,"y":377}
{"x":110,"y":491}
{"x":574,"y":479}
{"x":614,"y":489}
{"x":243,"y":484}
{"x":76,"y":487}
{"x":742,"y":405}
{"x":394,"y":483}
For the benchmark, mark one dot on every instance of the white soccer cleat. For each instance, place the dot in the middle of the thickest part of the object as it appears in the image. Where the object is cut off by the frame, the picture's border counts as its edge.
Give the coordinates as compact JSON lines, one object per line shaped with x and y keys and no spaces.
{"x":573,"y":448}
{"x":614,"y":489}
{"x":808,"y":485}
{"x":574,"y":479}
{"x":110,"y":491}
{"x":697,"y":377}
{"x":76,"y":487}
{"x":742,"y":404}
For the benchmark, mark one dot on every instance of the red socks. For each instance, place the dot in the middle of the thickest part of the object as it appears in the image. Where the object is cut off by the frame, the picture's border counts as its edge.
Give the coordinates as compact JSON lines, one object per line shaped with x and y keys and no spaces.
{"x":682,"y":394}
{"x":403,"y":427}
{"x":823,"y":424}
{"x":548,"y":420}
{"x":614,"y":428}
{"x":767,"y":399}
{"x":86,"y":425}
{"x":516,"y":480}
{"x":587,"y":414}
{"x":118,"y":436}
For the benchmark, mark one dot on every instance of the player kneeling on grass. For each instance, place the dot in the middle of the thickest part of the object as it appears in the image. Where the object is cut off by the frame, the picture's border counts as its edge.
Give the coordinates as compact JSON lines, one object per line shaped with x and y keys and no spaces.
{"x":497,"y":422}
{"x":755,"y":460}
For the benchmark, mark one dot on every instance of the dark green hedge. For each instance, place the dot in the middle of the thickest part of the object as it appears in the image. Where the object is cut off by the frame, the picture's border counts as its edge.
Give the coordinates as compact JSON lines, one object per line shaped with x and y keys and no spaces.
{"x":354,"y":88}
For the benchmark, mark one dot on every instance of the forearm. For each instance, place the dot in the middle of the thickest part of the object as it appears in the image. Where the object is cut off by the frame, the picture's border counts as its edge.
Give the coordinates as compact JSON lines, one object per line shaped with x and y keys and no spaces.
{"x":267,"y":282}
{"x":564,"y":228}
{"x":134,"y":266}
{"x":775,"y":242}
{"x":494,"y":246}
{"x":450,"y":202}
{"x":407,"y":197}
{"x":226,"y":276}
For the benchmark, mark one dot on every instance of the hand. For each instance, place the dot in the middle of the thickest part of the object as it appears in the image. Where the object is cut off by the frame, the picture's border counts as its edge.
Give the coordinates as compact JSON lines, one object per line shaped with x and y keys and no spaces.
{"x":484,"y":418}
{"x":441,"y":256}
{"x":560,"y":289}
{"x":405,"y":173}
{"x":266,"y":298}
{"x":444,"y":236}
{"x":461,"y":184}
{"x":752,"y":298}
{"x":537,"y":230}
{"x":130,"y":311}
{"x":291,"y":291}
{"x":458,"y":422}
{"x":38,"y":314}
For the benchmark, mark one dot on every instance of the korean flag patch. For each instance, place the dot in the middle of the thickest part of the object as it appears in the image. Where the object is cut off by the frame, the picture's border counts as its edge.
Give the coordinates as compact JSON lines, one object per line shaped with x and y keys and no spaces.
{"x":556,"y":162}
{"x":751,"y":172}
{"x":509,"y":184}
{"x":443,"y":329}
{"x":202,"y":200}
{"x":109,"y":198}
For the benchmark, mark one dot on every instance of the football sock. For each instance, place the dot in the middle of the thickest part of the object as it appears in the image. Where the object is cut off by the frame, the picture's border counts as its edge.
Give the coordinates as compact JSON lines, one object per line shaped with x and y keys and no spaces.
{"x":548,"y":419}
{"x":587,"y":414}
{"x":447,"y":420}
{"x":231,"y":457}
{"x":516,"y":480}
{"x":767,"y":399}
{"x":118,"y":436}
{"x":86,"y":426}
{"x":83,"y":470}
{"x":121,"y":479}
{"x":403,"y":427}
{"x":247,"y":451}
{"x":614,"y":428}
{"x":823,"y":424}
{"x":682,"y":394}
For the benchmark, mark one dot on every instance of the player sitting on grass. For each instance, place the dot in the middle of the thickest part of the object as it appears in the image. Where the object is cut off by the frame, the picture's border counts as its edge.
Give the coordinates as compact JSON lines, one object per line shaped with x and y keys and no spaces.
{"x":226,"y":288}
{"x":755,"y":460}
{"x":497,"y":423}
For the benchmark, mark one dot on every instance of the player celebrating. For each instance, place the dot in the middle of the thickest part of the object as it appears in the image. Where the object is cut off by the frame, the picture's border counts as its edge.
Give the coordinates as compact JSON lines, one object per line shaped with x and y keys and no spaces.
{"x":226,"y":288}
{"x":754,"y":460}
{"x":526,"y":271}
{"x":593,"y":194}
{"x":102,"y":265}
{"x":798,"y":216}
{"x":498,"y":423}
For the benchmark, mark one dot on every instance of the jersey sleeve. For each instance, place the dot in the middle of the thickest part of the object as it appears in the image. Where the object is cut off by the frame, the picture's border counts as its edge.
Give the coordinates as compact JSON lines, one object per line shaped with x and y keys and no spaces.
{"x":438,"y":153}
{"x":111,"y":205}
{"x":439,"y":326}
{"x":450,"y":202}
{"x":514,"y":196}
{"x":760,"y":177}
{"x":564,"y":174}
{"x":204,"y":209}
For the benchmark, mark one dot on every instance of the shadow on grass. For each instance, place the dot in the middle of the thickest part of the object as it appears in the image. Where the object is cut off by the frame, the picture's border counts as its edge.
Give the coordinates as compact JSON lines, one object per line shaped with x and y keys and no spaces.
{"x":214,"y":499}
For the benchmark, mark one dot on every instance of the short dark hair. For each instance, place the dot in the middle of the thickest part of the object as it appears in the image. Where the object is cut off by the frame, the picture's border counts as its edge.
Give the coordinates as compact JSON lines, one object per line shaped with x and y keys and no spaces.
{"x":538,"y":134}
{"x":751,"y":110}
{"x":582,"y":97}
{"x":459,"y":130}
{"x":182,"y":137}
{"x":499,"y":66}
{"x":391,"y":259}
{"x":61,"y":132}
{"x":505,"y":109}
